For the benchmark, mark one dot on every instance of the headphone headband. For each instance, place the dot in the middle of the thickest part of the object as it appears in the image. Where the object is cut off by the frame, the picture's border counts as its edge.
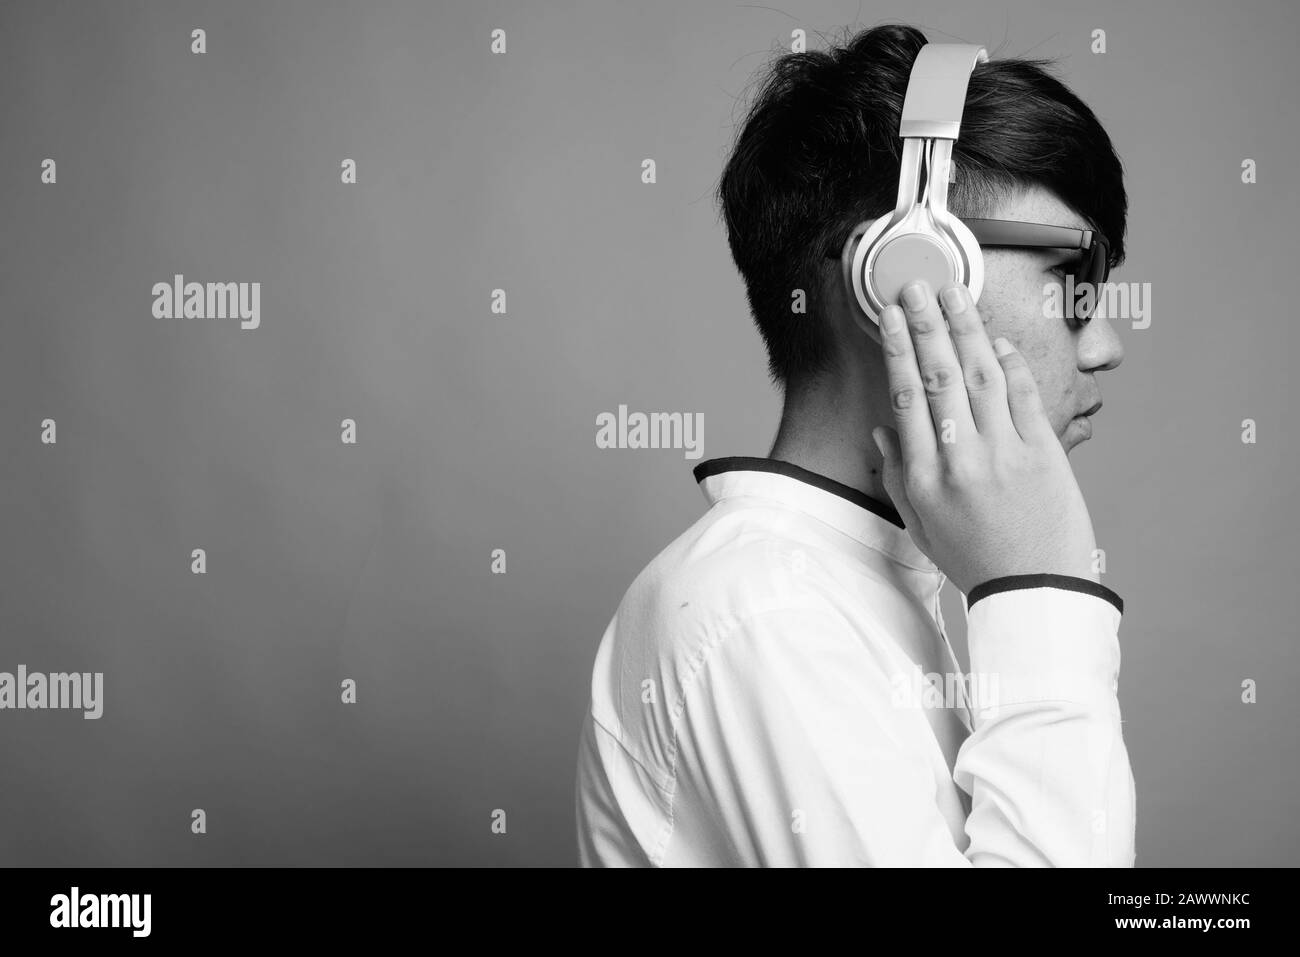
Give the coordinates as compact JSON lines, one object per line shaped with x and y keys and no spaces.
{"x":936,"y":90}
{"x":920,"y":239}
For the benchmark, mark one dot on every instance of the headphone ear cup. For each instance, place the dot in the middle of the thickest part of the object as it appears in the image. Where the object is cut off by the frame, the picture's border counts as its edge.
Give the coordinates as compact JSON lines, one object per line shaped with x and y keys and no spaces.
{"x":858,"y":278}
{"x":917,"y":248}
{"x":969,"y":248}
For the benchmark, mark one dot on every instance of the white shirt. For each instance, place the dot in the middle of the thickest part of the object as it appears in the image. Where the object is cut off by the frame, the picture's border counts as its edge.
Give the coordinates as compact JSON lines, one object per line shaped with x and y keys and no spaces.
{"x":748,"y":702}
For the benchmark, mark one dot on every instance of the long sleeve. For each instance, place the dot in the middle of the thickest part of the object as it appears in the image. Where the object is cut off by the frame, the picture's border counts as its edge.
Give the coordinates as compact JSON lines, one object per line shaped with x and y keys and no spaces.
{"x":791,"y":749}
{"x":1046,"y":765}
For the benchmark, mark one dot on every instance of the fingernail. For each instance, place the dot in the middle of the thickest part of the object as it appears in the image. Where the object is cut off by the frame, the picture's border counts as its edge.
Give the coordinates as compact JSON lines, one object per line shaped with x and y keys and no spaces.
{"x":953,"y":301}
{"x":1001,"y":346}
{"x":892,"y":319}
{"x":914,"y":296}
{"x":876,"y":438}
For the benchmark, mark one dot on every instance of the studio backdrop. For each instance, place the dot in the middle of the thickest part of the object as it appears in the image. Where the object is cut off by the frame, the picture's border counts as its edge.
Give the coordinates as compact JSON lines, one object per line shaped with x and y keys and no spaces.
{"x":312,"y":312}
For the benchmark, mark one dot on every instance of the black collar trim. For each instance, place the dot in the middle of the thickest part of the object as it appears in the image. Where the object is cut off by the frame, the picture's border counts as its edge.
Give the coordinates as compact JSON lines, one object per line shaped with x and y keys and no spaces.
{"x":751,"y":463}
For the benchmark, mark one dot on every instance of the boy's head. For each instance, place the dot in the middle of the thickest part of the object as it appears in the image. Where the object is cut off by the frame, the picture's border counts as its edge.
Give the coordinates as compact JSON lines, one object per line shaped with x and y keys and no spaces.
{"x":819,"y":153}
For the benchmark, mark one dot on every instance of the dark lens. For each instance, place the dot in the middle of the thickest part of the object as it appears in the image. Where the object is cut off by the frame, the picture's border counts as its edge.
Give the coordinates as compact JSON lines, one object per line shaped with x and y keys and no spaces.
{"x":1100,"y":259}
{"x":1082,"y":308}
{"x":1083,"y":272}
{"x":1094,"y":268}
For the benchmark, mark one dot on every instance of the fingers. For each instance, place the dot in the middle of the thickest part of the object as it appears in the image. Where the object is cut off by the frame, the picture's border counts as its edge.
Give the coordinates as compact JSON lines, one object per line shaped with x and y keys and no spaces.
{"x":986,"y":386}
{"x":1023,"y":400}
{"x":941,"y":372}
{"x":906,"y":392}
{"x":946,"y":380}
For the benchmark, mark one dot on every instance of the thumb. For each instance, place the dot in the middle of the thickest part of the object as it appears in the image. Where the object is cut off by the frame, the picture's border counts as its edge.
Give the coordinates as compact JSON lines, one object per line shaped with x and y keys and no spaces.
{"x":882,"y":444}
{"x":886,"y":440}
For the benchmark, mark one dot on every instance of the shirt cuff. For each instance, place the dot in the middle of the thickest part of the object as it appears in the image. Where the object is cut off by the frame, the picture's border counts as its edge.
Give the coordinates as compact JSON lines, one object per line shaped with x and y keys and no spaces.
{"x":1043,"y":642}
{"x":1070,"y":582}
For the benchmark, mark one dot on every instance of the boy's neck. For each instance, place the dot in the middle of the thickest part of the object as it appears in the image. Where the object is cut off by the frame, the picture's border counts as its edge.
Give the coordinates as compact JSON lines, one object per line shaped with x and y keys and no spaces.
{"x":824,"y":431}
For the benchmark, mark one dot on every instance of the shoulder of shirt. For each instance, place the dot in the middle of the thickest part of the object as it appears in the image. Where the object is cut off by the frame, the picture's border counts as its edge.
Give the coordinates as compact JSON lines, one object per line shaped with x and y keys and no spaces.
{"x":728,"y":567}
{"x":733,"y":568}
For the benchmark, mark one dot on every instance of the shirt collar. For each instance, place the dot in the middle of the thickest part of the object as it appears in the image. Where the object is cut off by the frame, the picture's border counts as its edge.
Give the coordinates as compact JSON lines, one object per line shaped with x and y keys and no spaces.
{"x":863,"y":518}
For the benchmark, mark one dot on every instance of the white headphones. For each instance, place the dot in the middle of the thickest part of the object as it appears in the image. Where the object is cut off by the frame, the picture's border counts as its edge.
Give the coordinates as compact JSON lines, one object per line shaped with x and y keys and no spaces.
{"x":920,"y":239}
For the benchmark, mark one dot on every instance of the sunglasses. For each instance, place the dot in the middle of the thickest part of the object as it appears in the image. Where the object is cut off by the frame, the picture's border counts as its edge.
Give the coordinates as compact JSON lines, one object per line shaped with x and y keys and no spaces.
{"x":1093,"y":266}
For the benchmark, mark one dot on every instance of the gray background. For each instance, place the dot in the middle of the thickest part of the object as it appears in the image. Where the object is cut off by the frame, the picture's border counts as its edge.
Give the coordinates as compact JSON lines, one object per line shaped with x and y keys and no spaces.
{"x":476,"y":431}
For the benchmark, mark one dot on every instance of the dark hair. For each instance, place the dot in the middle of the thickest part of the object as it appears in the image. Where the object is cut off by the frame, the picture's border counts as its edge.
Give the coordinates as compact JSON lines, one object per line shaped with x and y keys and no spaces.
{"x":819,"y":152}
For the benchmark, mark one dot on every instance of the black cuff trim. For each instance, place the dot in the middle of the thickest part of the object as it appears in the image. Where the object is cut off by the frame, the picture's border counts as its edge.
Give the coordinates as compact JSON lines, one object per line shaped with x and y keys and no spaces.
{"x":1068,"y":582}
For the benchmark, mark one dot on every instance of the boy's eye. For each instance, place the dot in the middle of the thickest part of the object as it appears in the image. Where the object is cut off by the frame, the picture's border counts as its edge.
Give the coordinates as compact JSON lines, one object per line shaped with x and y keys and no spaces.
{"x":1065,"y":268}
